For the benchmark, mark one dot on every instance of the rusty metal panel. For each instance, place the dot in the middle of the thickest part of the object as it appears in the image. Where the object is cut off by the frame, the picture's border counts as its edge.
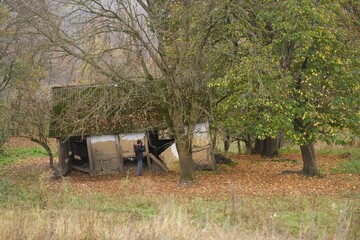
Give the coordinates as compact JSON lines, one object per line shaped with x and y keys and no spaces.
{"x":202,"y":151}
{"x":64,"y":156}
{"x":170,"y":158}
{"x":105,"y":154}
{"x":127,"y":142}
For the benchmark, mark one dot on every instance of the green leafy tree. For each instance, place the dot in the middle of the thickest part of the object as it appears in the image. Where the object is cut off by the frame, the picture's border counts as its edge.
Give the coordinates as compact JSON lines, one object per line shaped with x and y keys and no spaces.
{"x":298,"y":73}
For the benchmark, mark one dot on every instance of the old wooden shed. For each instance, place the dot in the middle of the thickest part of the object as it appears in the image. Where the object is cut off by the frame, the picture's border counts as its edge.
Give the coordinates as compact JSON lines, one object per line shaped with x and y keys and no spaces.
{"x":96,"y":128}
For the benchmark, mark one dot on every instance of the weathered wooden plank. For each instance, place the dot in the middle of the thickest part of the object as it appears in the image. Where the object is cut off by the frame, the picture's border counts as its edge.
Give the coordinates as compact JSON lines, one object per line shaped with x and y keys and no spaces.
{"x":127,"y":142}
{"x":121,"y":160}
{"x":158,"y":162}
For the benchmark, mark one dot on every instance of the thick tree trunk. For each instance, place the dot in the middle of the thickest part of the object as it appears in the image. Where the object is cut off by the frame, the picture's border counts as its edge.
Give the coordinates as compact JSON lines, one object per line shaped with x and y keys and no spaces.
{"x":248,"y":146}
{"x":187,"y":173}
{"x":183,"y":135}
{"x":310,"y":167}
{"x":259,"y":146}
{"x":270,"y":147}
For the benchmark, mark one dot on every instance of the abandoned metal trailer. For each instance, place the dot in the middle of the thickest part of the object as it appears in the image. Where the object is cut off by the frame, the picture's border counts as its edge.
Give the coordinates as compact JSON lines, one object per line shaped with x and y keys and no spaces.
{"x":96,"y":129}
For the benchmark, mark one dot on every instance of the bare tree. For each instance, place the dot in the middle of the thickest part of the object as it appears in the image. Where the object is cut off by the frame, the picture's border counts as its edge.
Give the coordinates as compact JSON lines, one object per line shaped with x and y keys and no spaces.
{"x":168,"y":49}
{"x":7,"y":37}
{"x":31,"y":116}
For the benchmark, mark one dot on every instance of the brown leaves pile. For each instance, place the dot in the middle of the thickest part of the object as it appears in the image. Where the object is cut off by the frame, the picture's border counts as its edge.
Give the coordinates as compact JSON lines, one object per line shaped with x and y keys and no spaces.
{"x":250,"y":176}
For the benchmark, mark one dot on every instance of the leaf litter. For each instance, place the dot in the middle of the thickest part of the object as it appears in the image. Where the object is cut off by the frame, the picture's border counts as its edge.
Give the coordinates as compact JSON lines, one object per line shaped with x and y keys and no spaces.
{"x":246,"y":176}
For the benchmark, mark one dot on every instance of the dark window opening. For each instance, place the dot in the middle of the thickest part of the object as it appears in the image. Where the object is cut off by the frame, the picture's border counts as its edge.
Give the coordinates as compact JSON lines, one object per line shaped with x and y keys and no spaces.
{"x":79,"y":154}
{"x":159,"y":142}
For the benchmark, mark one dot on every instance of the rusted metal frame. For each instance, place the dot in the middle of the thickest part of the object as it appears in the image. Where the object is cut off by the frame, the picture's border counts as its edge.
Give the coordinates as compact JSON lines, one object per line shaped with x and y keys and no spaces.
{"x":121,"y":159}
{"x":146,"y":141}
{"x":91,"y":157}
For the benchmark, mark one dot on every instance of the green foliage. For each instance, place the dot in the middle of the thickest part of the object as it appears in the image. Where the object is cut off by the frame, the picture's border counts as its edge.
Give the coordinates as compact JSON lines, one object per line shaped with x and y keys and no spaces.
{"x":293,"y":77}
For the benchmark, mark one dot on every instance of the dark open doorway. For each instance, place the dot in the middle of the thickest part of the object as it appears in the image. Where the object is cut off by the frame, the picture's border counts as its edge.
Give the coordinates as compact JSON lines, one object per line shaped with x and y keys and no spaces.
{"x":78,"y":151}
{"x":159,"y":141}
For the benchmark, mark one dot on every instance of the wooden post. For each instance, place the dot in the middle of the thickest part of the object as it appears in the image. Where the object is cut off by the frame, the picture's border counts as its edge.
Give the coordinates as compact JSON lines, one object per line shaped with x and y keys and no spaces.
{"x":146,"y":140}
{"x":64,"y":159}
{"x":91,"y":157}
{"x":121,"y":160}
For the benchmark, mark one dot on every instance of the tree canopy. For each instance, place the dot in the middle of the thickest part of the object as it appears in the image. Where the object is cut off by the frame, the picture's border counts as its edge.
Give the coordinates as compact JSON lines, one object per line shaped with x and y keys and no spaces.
{"x":272,"y":66}
{"x":296,"y":72}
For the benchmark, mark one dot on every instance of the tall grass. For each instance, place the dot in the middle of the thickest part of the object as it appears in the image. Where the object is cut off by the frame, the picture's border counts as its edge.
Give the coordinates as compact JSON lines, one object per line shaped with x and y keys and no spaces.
{"x":33,"y":212}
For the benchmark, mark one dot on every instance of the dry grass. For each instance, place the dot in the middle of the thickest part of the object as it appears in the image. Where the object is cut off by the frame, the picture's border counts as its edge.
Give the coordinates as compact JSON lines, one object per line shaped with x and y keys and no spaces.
{"x":169,"y":223}
{"x":250,"y":200}
{"x":36,"y":213}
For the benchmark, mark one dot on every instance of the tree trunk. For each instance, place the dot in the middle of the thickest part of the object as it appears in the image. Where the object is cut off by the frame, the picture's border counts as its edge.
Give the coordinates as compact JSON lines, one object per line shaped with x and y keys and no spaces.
{"x":187,"y":173}
{"x":248,"y":146}
{"x":259,"y":146}
{"x":49,"y":153}
{"x":183,"y":135}
{"x":226,"y":143}
{"x":270,"y":147}
{"x":51,"y":156}
{"x":310,"y":167}
{"x":239,"y":146}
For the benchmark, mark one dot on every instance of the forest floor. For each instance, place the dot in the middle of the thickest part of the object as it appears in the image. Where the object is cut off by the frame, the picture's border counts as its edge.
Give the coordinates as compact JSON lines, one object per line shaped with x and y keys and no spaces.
{"x":246,"y":176}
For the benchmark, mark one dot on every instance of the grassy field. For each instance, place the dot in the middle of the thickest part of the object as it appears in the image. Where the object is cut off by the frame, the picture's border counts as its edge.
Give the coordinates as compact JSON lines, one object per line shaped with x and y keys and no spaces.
{"x":12,"y":155}
{"x":34,"y":207}
{"x":33,"y":212}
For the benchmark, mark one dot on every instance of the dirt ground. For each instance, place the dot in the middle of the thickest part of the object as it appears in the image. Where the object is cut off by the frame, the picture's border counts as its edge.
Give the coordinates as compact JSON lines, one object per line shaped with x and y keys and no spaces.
{"x":248,"y":176}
